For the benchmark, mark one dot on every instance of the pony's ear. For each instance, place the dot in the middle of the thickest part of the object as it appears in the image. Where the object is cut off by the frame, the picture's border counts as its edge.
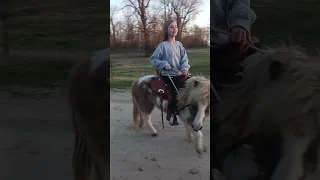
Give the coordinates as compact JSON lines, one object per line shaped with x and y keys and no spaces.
{"x":195,"y":83}
{"x":276,"y":69}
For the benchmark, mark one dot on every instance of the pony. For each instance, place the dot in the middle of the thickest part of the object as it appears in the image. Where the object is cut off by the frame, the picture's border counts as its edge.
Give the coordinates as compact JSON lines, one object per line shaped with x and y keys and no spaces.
{"x":193,"y":102}
{"x":88,"y":96}
{"x":278,"y":97}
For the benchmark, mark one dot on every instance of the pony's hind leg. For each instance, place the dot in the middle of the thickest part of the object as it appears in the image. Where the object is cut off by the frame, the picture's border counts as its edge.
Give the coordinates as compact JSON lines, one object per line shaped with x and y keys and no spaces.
{"x":141,"y":122}
{"x":136,"y":116}
{"x":146,"y":117}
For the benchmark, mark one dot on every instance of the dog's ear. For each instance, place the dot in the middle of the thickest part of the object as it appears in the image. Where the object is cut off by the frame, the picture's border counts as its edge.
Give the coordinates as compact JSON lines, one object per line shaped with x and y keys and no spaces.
{"x":276,"y":69}
{"x":196,"y":83}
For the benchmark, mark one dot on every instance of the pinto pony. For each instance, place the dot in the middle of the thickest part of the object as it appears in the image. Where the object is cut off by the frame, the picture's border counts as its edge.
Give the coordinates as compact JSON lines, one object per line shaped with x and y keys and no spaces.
{"x":193,"y":103}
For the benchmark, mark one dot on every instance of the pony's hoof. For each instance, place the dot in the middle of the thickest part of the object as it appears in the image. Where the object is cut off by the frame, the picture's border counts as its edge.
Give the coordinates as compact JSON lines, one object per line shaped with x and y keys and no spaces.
{"x":205,"y":149}
{"x":154,"y":134}
{"x":200,"y":149}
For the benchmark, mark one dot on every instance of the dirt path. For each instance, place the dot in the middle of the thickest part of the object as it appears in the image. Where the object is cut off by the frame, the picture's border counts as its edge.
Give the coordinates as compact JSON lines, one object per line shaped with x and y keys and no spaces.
{"x":37,"y":143}
{"x":138,"y":155}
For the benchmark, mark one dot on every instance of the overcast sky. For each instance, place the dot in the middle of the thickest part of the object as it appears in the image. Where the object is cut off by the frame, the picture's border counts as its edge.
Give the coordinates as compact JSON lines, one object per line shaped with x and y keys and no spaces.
{"x":202,"y":20}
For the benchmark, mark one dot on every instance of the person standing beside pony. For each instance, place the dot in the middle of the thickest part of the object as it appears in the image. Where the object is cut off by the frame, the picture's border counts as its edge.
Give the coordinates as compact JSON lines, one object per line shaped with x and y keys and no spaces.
{"x":169,"y":56}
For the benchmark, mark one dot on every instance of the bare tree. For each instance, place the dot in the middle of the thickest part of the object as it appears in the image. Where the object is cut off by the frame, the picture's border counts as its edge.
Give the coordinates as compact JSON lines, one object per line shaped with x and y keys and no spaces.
{"x":113,"y":23}
{"x":184,"y":10}
{"x":130,"y":27}
{"x":140,"y":7}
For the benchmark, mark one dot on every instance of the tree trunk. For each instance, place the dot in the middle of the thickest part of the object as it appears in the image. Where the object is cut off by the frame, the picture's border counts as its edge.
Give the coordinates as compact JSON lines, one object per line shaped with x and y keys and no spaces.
{"x":179,"y":23}
{"x":146,"y":45}
{"x":145,"y":33}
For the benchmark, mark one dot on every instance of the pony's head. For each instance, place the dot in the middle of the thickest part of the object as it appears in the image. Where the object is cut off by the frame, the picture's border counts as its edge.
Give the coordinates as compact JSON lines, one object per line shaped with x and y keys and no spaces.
{"x":194,"y":98}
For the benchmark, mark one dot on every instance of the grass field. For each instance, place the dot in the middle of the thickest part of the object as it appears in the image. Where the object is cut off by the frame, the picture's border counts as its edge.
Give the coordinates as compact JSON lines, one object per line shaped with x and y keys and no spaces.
{"x":127,"y":67}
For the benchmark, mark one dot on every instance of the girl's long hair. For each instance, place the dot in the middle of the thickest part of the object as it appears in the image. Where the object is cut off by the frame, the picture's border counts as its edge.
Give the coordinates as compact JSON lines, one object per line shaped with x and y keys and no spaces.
{"x":165,"y":28}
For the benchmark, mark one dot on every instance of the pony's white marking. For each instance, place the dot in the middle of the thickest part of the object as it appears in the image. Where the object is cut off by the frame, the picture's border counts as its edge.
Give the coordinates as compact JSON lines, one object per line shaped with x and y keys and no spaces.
{"x":198,"y":120}
{"x":146,"y":78}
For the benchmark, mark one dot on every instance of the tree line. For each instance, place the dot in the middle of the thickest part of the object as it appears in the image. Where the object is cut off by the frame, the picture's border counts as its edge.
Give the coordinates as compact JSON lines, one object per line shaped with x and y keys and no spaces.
{"x":138,"y":25}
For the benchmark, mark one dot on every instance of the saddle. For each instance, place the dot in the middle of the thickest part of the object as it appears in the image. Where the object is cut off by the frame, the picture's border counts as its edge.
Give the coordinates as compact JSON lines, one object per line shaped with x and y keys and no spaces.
{"x":161,"y":89}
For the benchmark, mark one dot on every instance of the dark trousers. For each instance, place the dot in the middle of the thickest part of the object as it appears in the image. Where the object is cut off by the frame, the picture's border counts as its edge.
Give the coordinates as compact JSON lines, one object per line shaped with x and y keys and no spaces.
{"x":224,"y":66}
{"x":177,"y":82}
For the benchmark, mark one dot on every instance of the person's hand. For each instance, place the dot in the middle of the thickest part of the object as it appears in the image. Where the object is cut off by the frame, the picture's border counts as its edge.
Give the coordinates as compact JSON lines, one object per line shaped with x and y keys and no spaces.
{"x":169,"y":67}
{"x":242,"y":36}
{"x":185,"y":73}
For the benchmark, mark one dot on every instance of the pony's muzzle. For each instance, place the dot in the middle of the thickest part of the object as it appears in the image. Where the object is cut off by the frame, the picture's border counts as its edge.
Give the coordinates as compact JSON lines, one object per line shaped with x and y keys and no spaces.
{"x":196,"y":129}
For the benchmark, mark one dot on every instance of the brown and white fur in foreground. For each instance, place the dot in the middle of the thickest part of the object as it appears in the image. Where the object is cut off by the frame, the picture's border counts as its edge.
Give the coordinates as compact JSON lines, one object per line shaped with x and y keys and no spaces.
{"x":196,"y":93}
{"x":279,"y":94}
{"x":89,"y":103}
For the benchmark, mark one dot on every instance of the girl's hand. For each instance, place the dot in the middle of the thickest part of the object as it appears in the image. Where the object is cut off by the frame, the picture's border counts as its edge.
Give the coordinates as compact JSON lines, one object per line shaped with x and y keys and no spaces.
{"x":185,"y":73}
{"x":169,"y":68}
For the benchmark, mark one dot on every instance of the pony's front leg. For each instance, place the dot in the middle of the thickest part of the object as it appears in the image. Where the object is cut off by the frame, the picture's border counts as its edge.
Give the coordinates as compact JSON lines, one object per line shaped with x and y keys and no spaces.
{"x":290,"y":166}
{"x":198,"y":141}
{"x":189,"y":130}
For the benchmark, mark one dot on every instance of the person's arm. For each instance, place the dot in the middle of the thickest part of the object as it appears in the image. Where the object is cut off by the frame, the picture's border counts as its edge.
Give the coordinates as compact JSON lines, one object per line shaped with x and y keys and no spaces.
{"x":156,"y":59}
{"x":184,"y":63}
{"x":240,"y":14}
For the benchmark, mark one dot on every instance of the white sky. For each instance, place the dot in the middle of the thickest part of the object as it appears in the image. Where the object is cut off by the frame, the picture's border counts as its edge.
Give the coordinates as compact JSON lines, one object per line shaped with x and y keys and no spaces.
{"x":202,"y":19}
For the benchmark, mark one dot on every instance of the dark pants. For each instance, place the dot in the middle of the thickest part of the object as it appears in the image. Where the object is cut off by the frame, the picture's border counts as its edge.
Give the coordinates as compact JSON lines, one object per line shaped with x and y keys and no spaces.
{"x":224,"y":66}
{"x":176,"y":80}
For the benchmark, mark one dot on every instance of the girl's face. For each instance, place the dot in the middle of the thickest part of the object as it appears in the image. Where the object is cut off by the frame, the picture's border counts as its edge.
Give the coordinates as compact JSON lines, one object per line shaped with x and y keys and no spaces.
{"x":172,"y":29}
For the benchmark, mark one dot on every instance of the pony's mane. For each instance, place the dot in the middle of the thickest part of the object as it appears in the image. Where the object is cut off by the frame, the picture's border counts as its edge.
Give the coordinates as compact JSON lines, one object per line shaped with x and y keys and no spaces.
{"x":300,"y":71}
{"x":191,"y":94}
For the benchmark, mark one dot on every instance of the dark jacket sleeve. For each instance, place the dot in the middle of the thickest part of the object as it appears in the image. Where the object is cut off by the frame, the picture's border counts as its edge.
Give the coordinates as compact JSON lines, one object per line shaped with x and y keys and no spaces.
{"x":240,"y":14}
